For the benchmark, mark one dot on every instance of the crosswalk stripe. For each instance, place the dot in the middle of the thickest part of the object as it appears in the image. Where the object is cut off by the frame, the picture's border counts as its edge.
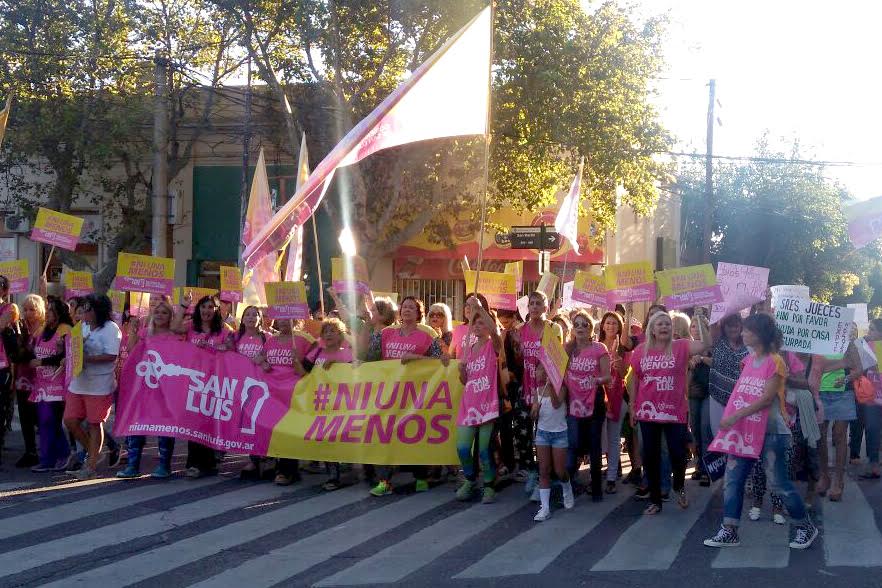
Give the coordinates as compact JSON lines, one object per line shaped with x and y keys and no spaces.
{"x":283,"y":563}
{"x":653,"y":542}
{"x":20,"y":560}
{"x":763,"y":545}
{"x":851,"y":537}
{"x":520,"y":556}
{"x":149,"y":564}
{"x":71,"y":511}
{"x":399,"y":560}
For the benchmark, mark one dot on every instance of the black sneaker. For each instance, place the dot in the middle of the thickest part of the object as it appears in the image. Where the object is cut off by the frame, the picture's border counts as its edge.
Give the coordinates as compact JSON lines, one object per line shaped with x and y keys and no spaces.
{"x":725,"y":537}
{"x":803,"y":536}
{"x":641,"y":494}
{"x":666,"y":497}
{"x":27,"y":460}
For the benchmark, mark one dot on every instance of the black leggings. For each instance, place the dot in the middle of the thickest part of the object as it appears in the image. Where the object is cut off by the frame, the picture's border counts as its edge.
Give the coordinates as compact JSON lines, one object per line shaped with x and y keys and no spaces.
{"x":677,"y":435}
{"x":27,"y":418}
{"x":201,"y":457}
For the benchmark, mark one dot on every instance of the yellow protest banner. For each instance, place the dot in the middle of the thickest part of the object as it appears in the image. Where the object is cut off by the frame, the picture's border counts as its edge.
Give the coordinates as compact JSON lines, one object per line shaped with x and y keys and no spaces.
{"x":77,"y":284}
{"x":231,"y":284}
{"x":498,"y":288}
{"x":286,"y":300}
{"x":382,"y":412}
{"x":630,"y":282}
{"x":139,"y":304}
{"x":144,"y":273}
{"x":547,"y":284}
{"x":590,"y":289}
{"x":18,"y":273}
{"x":57,"y":229}
{"x":360,"y":278}
{"x":553,"y":357}
{"x":685,"y":287}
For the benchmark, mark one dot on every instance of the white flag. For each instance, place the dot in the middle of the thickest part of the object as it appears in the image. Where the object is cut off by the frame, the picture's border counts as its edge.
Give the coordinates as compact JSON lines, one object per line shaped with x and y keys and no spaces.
{"x":567,"y":221}
{"x":294,"y":270}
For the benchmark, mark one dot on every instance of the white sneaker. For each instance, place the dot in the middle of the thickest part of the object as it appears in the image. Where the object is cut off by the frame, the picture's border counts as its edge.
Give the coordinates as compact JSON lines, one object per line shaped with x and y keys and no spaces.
{"x":778,"y":518}
{"x":534,"y":497}
{"x":568,"y":499}
{"x":543,"y":515}
{"x":754,"y":513}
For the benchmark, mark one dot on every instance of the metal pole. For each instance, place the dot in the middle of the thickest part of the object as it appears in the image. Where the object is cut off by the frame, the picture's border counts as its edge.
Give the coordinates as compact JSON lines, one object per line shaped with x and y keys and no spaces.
{"x":709,"y":174}
{"x":487,"y":139}
{"x":318,"y":265}
{"x":160,"y":158}
{"x":246,"y":141}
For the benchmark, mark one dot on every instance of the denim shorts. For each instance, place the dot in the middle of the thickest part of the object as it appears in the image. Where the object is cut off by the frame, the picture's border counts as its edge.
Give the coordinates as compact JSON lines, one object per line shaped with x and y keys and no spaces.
{"x":548,"y":439}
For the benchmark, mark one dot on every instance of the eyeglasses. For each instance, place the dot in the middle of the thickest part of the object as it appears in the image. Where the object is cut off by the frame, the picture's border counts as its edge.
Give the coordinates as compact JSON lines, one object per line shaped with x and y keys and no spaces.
{"x":578,"y":324}
{"x":436,"y":315}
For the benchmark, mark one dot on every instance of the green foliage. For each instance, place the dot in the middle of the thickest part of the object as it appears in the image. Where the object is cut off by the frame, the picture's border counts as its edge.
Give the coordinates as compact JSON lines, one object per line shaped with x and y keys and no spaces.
{"x":785,"y":216}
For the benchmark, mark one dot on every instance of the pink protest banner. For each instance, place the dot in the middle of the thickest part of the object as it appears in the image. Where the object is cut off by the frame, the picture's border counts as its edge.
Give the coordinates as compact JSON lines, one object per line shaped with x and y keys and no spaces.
{"x":686,"y":287}
{"x":357,"y":281}
{"x":630,"y":282}
{"x":144,"y":273}
{"x":864,"y":221}
{"x":222,"y":400}
{"x":742,"y":286}
{"x":745,"y":437}
{"x":57,"y":229}
{"x":19,"y":275}
{"x":286,"y":300}
{"x":590,"y":289}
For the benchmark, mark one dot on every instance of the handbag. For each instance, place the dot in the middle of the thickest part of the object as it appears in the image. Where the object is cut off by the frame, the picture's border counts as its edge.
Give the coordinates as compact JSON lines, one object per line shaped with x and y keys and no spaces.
{"x":864,"y":391}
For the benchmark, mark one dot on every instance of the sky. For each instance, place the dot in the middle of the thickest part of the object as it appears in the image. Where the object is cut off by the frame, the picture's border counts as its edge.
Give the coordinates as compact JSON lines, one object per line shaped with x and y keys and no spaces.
{"x":805,"y":70}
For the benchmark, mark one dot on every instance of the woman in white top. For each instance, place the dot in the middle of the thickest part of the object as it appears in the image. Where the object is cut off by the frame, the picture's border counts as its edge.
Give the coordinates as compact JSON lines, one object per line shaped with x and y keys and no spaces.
{"x":550,"y":410}
{"x":91,"y":392}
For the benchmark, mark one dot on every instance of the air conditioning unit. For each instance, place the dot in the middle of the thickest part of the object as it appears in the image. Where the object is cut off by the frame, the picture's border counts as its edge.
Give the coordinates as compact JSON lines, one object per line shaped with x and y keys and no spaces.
{"x":16,"y":222}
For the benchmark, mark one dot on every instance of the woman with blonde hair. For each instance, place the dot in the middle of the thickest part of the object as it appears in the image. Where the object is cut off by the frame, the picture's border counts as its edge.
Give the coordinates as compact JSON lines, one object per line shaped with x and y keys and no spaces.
{"x":658,"y":401}
{"x":441,"y":319}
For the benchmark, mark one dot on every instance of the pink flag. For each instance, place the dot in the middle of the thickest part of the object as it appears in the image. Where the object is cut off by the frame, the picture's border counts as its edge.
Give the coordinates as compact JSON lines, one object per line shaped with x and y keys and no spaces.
{"x":293,"y":270}
{"x":260,"y":211}
{"x":567,"y":221}
{"x":447,"y":96}
{"x":864,"y":221}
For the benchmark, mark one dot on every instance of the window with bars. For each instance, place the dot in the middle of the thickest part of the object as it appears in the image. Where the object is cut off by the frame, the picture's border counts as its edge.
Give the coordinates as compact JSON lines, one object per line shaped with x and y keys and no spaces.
{"x":449,"y":292}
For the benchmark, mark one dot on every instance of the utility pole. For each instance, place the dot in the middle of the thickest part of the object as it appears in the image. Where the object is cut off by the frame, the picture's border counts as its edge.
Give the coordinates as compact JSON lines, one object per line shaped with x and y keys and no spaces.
{"x":160,"y":158}
{"x":246,"y":146}
{"x":709,"y":174}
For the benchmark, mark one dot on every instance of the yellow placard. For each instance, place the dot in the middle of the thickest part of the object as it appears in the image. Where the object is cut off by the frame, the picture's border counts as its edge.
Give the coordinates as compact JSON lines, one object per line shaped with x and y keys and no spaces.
{"x":76,"y":349}
{"x":196,"y":292}
{"x":490,"y":283}
{"x":685,"y":279}
{"x":18,"y":273}
{"x":77,"y":283}
{"x":589,"y":282}
{"x":359,"y":269}
{"x":547,"y":284}
{"x":117,"y":300}
{"x":553,"y":356}
{"x":628,"y":275}
{"x":382,"y":412}
{"x":57,"y":228}
{"x":139,"y":304}
{"x":516,"y":268}
{"x":144,"y":273}
{"x":279,"y":293}
{"x":231,"y":283}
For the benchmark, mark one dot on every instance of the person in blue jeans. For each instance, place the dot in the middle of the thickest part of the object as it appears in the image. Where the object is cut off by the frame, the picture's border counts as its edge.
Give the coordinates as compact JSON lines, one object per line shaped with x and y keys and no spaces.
{"x":763,"y":337}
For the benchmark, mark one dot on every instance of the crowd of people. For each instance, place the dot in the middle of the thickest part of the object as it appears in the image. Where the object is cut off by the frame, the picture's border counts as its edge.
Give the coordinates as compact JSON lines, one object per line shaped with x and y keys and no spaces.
{"x":657,"y":391}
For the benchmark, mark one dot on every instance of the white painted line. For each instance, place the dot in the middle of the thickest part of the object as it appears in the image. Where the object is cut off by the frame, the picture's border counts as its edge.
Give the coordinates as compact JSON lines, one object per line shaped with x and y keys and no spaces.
{"x":281,"y":564}
{"x":72,"y":511}
{"x":422,"y":548}
{"x":154,"y":562}
{"x":28,"y":558}
{"x":653,"y":542}
{"x":763,"y":545}
{"x":11,"y":486}
{"x":851,"y":537}
{"x":521,"y":556}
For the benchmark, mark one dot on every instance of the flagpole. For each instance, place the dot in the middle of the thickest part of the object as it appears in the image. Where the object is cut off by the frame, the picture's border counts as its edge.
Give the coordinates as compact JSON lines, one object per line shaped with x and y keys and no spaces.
{"x":318,"y":265}
{"x":487,"y":139}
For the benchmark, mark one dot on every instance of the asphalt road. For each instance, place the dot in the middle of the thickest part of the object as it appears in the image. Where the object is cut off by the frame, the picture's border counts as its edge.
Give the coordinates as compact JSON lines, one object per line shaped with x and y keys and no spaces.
{"x":226,"y":532}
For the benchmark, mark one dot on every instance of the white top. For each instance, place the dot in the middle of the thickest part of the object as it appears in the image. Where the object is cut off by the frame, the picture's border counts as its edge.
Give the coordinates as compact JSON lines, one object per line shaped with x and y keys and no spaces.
{"x":551,"y":420}
{"x":97,"y":379}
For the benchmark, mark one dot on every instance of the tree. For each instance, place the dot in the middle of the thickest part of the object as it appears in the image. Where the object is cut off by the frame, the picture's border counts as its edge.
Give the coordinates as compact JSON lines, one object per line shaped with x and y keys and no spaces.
{"x":565,"y":83}
{"x":778,"y":213}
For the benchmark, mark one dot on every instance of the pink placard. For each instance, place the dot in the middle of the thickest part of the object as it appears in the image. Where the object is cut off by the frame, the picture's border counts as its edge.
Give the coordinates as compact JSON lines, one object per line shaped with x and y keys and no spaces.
{"x":232,"y":296}
{"x":68,"y":242}
{"x":222,"y":400}
{"x":700,"y":297}
{"x":297,"y":311}
{"x":342,"y":286}
{"x":19,"y":286}
{"x":593,"y":298}
{"x":745,"y":438}
{"x":149,"y":285}
{"x":503,"y":301}
{"x":638,"y":293}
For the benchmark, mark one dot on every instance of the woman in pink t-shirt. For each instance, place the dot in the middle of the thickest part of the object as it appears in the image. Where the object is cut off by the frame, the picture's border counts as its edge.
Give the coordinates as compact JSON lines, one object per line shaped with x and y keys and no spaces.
{"x":479,"y":404}
{"x":611,"y":328}
{"x":249,"y":341}
{"x":586,"y":379}
{"x":658,"y":401}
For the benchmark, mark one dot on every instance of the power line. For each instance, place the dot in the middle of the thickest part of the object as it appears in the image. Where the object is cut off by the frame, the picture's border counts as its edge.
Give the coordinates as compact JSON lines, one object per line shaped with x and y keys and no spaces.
{"x":759,"y":159}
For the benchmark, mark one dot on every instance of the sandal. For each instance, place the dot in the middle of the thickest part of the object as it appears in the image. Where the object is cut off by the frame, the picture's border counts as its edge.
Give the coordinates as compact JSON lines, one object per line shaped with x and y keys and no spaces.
{"x":870,"y":476}
{"x":611,"y":488}
{"x":682,"y":501}
{"x":331,"y":485}
{"x":652,"y":509}
{"x":822,"y":486}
